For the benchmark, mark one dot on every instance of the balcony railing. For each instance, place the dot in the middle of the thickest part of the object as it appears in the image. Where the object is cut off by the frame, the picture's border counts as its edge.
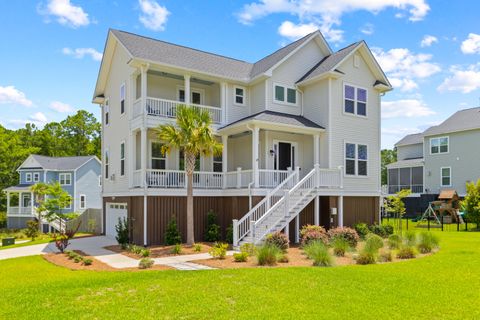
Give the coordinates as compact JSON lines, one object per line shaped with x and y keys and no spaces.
{"x":168,"y":109}
{"x":415,"y":188}
{"x":17,"y":211}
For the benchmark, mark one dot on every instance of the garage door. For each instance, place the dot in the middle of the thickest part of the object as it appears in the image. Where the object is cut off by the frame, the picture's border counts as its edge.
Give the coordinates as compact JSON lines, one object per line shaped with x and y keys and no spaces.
{"x":113,"y":213}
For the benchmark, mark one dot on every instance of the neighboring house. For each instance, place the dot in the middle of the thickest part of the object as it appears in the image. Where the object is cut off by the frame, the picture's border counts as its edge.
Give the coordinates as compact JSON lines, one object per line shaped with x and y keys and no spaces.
{"x":302,"y":112}
{"x":442,"y":157}
{"x":79,"y":176}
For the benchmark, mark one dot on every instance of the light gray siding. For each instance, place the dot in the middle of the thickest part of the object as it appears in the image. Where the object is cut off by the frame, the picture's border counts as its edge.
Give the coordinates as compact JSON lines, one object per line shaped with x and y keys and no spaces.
{"x":87,"y":184}
{"x":410,"y":151}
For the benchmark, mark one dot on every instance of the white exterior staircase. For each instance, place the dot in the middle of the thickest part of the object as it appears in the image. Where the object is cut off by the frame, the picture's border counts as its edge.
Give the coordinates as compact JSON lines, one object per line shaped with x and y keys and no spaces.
{"x":283,"y":204}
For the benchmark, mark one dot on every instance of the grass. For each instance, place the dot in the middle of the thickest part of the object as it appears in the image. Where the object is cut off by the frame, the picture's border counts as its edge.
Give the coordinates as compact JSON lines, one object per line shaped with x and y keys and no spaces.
{"x":42,"y":239}
{"x":442,"y":286}
{"x":415,"y":225}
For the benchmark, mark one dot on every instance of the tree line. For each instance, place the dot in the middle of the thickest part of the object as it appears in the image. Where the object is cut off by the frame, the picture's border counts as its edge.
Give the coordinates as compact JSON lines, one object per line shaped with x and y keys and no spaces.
{"x":77,"y":135}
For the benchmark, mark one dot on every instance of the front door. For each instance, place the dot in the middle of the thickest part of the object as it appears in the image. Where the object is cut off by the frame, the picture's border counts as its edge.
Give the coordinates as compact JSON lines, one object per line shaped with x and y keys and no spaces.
{"x":284,"y":155}
{"x":26,"y":200}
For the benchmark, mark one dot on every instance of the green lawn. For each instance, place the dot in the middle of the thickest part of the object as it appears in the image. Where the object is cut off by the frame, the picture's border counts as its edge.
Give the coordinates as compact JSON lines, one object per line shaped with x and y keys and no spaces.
{"x":445,"y":285}
{"x":39,"y":241}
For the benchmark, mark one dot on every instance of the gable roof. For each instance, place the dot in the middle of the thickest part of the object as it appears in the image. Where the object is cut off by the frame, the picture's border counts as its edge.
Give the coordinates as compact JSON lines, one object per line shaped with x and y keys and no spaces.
{"x":279,"y":117}
{"x":467,"y":119}
{"x":414,"y":138}
{"x":60,"y":163}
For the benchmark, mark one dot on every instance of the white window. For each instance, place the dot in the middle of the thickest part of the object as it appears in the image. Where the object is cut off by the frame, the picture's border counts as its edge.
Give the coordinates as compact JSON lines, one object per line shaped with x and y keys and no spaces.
{"x":122,"y":159}
{"x":122,"y":98}
{"x":100,"y":181}
{"x":217,"y":163}
{"x":106,"y":108}
{"x":446,"y":176}
{"x":36,"y":176}
{"x":239,"y":97}
{"x":159,"y":160}
{"x":356,"y":159}
{"x":28,"y":177}
{"x":83,"y":201}
{"x":65,"y":179}
{"x":284,"y":94}
{"x":106,"y":164}
{"x":196,"y":95}
{"x":355,"y":100}
{"x":439,"y":145}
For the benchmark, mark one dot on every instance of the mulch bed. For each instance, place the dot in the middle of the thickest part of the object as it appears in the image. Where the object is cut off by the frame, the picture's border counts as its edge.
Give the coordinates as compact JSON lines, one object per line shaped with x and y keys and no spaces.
{"x":163,"y":251}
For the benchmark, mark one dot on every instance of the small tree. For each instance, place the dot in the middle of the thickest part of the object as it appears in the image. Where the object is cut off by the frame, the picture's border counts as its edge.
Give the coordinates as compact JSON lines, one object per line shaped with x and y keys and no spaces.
{"x":122,"y":232}
{"x":172,"y":235}
{"x":471,"y":203}
{"x":212,"y":232}
{"x":32,"y":229}
{"x":52,"y":200}
{"x":62,"y":239}
{"x":396,"y":206}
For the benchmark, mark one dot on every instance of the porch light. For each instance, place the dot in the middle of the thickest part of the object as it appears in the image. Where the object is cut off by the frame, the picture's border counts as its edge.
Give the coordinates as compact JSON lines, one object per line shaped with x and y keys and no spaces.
{"x":272,"y":152}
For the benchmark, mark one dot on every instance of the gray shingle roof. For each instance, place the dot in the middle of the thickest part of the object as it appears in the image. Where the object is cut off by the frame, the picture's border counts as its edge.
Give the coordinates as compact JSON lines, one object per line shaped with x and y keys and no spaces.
{"x":467,"y":119}
{"x":61,"y":163}
{"x":278,"y":117}
{"x":410,"y":139}
{"x":329,"y":62}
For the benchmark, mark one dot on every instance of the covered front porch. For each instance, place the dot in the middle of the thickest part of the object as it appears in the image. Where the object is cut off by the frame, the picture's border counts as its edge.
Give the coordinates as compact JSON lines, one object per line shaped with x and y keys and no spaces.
{"x":20,"y":201}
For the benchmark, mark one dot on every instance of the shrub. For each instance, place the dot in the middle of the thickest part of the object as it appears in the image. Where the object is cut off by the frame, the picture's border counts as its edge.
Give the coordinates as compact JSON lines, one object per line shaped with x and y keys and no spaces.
{"x":145,"y":253}
{"x":385,"y":256}
{"x":177,"y":249}
{"x":87,"y":262}
{"x":62,"y":239}
{"x":122,"y":232}
{"x":267,"y":255}
{"x":32,"y":229}
{"x":172,"y":235}
{"x":394,"y":241}
{"x":78,"y":259}
{"x":388,"y":229}
{"x":212,"y":232}
{"x":366,"y":257}
{"x":249,"y":249}
{"x":362,"y":230}
{"x":229,"y":234}
{"x":283,"y":258}
{"x":410,"y":238}
{"x":311,"y":232}
{"x":145,"y":263}
{"x":340,"y":246}
{"x":219,"y":250}
{"x":71,"y":254}
{"x":3,"y":219}
{"x":373,"y":243}
{"x":197,"y":247}
{"x":278,"y":239}
{"x":134,"y":249}
{"x":378,"y":230}
{"x":348,"y":234}
{"x":406,"y":252}
{"x":427,"y":241}
{"x":240,"y":257}
{"x":318,"y":252}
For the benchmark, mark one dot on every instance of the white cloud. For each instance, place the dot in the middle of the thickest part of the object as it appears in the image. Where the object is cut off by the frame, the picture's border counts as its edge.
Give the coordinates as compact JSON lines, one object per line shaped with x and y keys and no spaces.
{"x":61,"y":107}
{"x":295,"y":31}
{"x":154,"y":16}
{"x":404,"y":67}
{"x":79,"y":53}
{"x":11,"y":95}
{"x":462,"y":80}
{"x":65,"y":13}
{"x":367,"y":29}
{"x":428,"y":40}
{"x":405,"y":108}
{"x":327,"y":14}
{"x":39,"y":119}
{"x":471,"y":45}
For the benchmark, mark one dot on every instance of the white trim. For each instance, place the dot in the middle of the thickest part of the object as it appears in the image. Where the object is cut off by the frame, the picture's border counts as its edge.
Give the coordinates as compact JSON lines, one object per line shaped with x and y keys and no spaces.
{"x":285,"y":94}
{"x":355,"y":101}
{"x":449,"y":176}
{"x":28,"y":177}
{"x":124,"y":157}
{"x":244,"y":96}
{"x":295,"y":154}
{"x":65,"y":175}
{"x":84,"y":202}
{"x":439,"y":138}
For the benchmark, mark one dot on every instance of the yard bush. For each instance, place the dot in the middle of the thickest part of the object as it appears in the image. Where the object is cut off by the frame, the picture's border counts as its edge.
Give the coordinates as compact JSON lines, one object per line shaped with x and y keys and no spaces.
{"x":71,"y":254}
{"x":348,"y":234}
{"x":240,"y":257}
{"x":310,"y":233}
{"x":362,"y":230}
{"x":385,"y":256}
{"x":145,"y":253}
{"x":388,"y":229}
{"x":62,"y":239}
{"x":32,"y":229}
{"x":212,"y":232}
{"x":249,"y":249}
{"x":122,"y":233}
{"x":427,"y":241}
{"x":410,"y":238}
{"x":373,"y":243}
{"x":267,"y":255}
{"x":197,"y":247}
{"x":406,"y":252}
{"x":380,"y":230}
{"x":394,"y":241}
{"x":283,"y":258}
{"x":172,"y":235}
{"x":145,"y":263}
{"x":134,"y":249}
{"x":177,"y":249}
{"x":229,"y":234}
{"x":219,"y":250}
{"x":78,"y":259}
{"x":318,"y":252}
{"x":3,"y":219}
{"x":366,"y":257}
{"x":87,"y":262}
{"x":278,"y":239}
{"x":340,"y":246}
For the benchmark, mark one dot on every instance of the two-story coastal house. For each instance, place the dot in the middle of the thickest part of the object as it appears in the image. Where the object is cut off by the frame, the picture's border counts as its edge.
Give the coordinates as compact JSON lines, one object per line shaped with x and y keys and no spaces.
{"x":300,"y":130}
{"x":442,"y":157}
{"x":79,"y":176}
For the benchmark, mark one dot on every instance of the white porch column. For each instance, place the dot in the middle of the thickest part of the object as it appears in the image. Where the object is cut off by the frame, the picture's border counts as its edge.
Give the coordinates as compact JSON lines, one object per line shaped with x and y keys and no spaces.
{"x":143,"y":88}
{"x":224,"y":160}
{"x":20,"y":202}
{"x":316,"y":149}
{"x":31,"y":203}
{"x":340,"y":211}
{"x":131,"y":157}
{"x":8,"y":202}
{"x":255,"y":160}
{"x":223,"y":101}
{"x":143,"y":155}
{"x":316,"y":216}
{"x":187,"y":89}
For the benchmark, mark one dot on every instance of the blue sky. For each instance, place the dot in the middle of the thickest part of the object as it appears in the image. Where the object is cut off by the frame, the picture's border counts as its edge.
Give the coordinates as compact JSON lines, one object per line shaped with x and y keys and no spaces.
{"x":51,"y":49}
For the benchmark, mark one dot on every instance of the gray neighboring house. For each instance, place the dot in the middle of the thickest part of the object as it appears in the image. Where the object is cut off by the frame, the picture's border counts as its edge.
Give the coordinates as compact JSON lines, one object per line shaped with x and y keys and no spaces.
{"x":446,"y":156}
{"x":79,"y":176}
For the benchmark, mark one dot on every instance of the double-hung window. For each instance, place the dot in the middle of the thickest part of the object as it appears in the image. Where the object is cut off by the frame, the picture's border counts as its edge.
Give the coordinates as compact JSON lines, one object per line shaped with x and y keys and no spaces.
{"x":107,"y":164}
{"x":122,"y":98}
{"x":356,"y":159}
{"x":36,"y":176}
{"x":239,"y":96}
{"x":355,"y":100}
{"x":446,"y":176}
{"x":83,"y":201}
{"x":284,"y":94}
{"x":439,"y":145}
{"x":122,"y":159}
{"x":28,"y":177}
{"x":65,"y":179}
{"x":158,"y":158}
{"x":217,"y":163}
{"x":106,"y":108}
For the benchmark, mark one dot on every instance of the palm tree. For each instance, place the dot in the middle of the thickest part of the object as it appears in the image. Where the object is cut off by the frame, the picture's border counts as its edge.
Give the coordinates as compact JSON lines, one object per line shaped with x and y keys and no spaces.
{"x":192,"y":134}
